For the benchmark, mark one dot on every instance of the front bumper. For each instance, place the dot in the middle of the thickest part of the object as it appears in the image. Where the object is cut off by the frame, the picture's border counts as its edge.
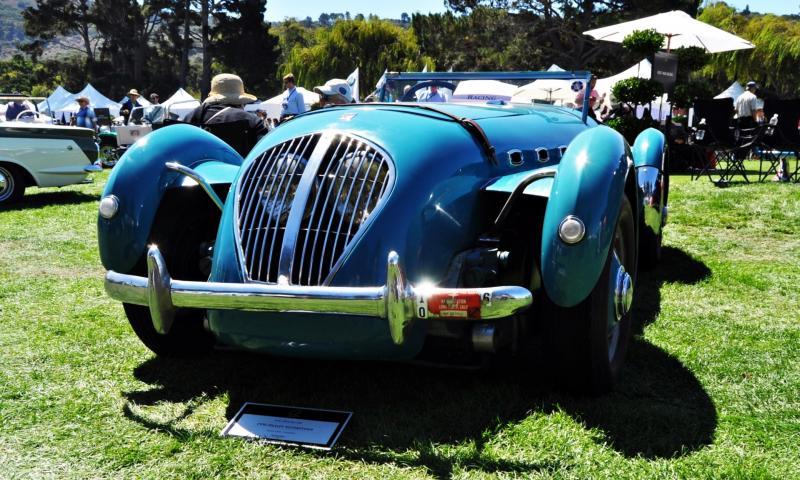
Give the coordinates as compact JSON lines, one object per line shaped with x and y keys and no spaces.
{"x":397,"y":302}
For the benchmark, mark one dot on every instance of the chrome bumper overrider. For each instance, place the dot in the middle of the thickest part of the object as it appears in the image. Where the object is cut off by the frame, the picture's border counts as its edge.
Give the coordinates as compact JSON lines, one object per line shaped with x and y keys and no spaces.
{"x":398,"y":302}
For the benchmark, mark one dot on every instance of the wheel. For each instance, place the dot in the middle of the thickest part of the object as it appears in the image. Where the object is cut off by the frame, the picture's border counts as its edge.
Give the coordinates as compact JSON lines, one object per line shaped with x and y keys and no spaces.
{"x":108,"y":156}
{"x":184,"y":239}
{"x":586,"y":344}
{"x":12,"y":184}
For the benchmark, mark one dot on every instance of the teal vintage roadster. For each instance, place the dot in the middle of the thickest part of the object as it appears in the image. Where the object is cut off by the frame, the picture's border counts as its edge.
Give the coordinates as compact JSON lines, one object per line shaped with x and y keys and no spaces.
{"x":393,"y":230}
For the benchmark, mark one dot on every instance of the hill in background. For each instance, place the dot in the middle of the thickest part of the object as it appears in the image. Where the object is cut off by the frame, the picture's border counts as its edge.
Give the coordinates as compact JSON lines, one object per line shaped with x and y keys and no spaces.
{"x":12,"y":30}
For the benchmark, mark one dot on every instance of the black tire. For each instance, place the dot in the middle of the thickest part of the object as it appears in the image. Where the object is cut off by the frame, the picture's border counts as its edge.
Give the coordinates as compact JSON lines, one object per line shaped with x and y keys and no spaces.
{"x":182,"y":238}
{"x":13,"y":188}
{"x":584,"y":350}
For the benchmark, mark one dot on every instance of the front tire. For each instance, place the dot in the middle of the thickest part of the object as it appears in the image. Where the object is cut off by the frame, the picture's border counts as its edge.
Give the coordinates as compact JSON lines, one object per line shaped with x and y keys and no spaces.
{"x":586,"y":344}
{"x":183,"y":233}
{"x":12,"y":184}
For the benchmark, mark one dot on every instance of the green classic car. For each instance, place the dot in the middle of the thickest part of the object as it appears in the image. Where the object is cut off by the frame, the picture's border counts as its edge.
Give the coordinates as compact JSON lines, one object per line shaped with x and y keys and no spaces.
{"x":393,"y":230}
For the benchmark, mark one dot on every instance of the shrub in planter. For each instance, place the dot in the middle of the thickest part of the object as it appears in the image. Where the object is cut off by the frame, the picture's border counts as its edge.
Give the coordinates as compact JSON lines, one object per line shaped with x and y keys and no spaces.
{"x":630,"y":126}
{"x":643,"y":43}
{"x":685,"y":94}
{"x":637,"y":91}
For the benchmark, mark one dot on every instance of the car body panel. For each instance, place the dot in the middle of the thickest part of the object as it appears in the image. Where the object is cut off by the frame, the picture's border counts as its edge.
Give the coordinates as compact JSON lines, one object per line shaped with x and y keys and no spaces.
{"x":648,"y":154}
{"x":54,"y":156}
{"x":589,"y":185}
{"x":140,"y":179}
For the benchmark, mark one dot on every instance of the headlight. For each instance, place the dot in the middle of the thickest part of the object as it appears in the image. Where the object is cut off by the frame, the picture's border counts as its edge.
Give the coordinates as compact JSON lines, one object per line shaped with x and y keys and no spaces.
{"x":571,"y":230}
{"x":109,"y":206}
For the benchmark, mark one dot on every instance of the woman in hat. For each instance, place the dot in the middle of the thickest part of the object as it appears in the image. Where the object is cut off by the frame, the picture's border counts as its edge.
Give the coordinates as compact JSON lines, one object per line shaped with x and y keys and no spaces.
{"x":224,"y":108}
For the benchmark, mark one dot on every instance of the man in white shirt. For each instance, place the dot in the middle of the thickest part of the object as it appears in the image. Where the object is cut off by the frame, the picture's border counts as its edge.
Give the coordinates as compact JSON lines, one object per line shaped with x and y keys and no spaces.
{"x":432,"y":95}
{"x":292,"y":102}
{"x":746,"y":106}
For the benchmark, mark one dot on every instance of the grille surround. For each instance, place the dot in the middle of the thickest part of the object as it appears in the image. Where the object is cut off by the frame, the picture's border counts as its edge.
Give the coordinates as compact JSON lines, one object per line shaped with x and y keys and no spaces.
{"x":318,"y":207}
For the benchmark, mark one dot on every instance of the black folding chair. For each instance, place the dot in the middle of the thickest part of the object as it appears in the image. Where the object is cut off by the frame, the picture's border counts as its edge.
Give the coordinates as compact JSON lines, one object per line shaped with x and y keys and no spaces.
{"x":728,"y":144}
{"x":237,"y":134}
{"x":782,"y":140}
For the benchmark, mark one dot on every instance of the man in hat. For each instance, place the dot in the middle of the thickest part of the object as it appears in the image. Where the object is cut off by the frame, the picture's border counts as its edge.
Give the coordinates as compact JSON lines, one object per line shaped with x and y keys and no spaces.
{"x":222,"y":113}
{"x":747,"y":106}
{"x":292,"y":102}
{"x":335,"y":92}
{"x":130,"y":104}
{"x":85,"y":117}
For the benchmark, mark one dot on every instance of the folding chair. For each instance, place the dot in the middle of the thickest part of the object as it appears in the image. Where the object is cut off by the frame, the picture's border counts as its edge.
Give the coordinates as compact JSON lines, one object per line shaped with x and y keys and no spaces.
{"x":237,"y":134}
{"x":729,"y":145}
{"x":784,"y":140}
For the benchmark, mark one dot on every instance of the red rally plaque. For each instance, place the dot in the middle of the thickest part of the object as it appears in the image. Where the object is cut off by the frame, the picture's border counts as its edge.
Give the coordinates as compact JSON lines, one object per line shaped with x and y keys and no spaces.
{"x":465,"y":305}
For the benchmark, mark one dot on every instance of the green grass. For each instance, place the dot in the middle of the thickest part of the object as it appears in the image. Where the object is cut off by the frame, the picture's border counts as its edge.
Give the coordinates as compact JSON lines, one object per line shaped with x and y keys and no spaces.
{"x":710,"y":389}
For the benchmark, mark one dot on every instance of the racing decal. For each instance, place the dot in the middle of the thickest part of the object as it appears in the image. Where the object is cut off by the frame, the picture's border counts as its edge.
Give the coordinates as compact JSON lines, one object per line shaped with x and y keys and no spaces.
{"x":461,"y":305}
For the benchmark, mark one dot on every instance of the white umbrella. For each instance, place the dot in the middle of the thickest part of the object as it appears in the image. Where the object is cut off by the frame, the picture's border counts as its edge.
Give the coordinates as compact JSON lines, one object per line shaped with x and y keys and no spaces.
{"x":680,"y":29}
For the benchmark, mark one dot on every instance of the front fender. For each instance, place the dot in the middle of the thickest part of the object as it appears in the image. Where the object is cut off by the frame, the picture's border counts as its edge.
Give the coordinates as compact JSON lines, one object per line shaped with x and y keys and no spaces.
{"x":589,"y":184}
{"x":648,"y":156}
{"x":140,"y":179}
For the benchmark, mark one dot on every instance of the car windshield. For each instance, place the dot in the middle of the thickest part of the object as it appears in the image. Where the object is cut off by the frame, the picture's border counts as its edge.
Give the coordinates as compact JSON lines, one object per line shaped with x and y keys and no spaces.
{"x":554,"y":88}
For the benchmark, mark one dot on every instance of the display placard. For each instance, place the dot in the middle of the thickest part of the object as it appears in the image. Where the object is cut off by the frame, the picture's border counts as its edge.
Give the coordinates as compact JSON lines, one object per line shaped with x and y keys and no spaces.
{"x":305,"y":427}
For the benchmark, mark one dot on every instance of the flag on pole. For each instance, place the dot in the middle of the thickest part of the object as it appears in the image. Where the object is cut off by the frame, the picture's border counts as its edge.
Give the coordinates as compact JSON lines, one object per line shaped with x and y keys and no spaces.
{"x":352,"y":80}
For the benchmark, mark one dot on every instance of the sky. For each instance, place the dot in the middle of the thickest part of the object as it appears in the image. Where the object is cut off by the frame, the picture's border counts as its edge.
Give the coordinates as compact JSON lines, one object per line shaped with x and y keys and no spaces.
{"x":278,"y":10}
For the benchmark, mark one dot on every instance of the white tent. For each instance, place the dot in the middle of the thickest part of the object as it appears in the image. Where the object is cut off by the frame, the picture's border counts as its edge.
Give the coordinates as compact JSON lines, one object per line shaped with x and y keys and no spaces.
{"x":733,"y":91}
{"x":181,"y":103}
{"x":643,"y":69}
{"x":96,"y":100}
{"x":555,"y":68}
{"x":272,"y":106}
{"x":55,"y":99}
{"x":479,"y":91}
{"x":559,"y":92}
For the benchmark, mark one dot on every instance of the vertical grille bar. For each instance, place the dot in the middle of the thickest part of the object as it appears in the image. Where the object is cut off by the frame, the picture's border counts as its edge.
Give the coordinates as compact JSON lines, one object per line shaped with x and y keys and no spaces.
{"x":301,"y":204}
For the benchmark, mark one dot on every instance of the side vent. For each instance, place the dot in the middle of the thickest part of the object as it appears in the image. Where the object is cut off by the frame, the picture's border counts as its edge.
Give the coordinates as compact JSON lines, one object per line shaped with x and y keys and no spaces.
{"x":542,"y":154}
{"x":515,"y":158}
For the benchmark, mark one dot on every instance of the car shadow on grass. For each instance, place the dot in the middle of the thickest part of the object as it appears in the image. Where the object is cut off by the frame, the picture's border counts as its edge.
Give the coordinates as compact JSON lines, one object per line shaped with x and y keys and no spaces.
{"x":41,"y":199}
{"x":658,"y":410}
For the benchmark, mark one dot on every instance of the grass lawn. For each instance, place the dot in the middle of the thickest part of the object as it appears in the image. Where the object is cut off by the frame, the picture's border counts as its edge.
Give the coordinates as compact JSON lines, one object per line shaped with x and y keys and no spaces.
{"x":711,"y":388}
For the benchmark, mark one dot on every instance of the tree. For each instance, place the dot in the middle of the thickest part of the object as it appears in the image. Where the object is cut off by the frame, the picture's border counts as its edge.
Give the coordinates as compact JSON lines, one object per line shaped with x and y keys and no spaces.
{"x":372,"y":45}
{"x":240,"y":31}
{"x":50,"y":19}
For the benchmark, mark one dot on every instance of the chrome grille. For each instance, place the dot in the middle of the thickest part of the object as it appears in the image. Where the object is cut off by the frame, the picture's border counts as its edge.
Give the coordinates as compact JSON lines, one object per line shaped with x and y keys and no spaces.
{"x":266,"y":193}
{"x":303,"y":202}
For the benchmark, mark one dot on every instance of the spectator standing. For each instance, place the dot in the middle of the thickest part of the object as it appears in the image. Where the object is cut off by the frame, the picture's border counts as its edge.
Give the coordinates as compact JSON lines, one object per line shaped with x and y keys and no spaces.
{"x":432,"y":95}
{"x":131,"y":103}
{"x":154,"y":98}
{"x":593,"y":97}
{"x":224,"y":106}
{"x":85,"y":117}
{"x":292,"y":102}
{"x":335,"y":92}
{"x":747,"y":107}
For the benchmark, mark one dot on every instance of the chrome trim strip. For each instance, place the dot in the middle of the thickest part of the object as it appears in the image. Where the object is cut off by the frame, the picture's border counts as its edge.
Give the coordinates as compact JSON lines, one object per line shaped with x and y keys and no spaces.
{"x":183,"y":170}
{"x":398,"y":302}
{"x":303,"y":192}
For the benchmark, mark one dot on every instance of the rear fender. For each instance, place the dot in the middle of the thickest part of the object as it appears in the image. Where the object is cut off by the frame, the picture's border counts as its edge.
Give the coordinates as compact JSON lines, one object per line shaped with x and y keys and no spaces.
{"x":140,"y":179}
{"x":648,"y":157}
{"x":589,"y":184}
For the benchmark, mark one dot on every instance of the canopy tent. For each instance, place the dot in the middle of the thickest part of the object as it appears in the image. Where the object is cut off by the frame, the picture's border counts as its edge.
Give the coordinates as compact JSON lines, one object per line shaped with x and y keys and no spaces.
{"x":555,"y":68}
{"x":643,"y":69}
{"x":55,"y":99}
{"x":181,"y":103}
{"x":733,"y":91}
{"x":272,"y":106}
{"x":96,"y":100}
{"x":479,"y":91}
{"x":680,"y":29}
{"x":553,"y":91}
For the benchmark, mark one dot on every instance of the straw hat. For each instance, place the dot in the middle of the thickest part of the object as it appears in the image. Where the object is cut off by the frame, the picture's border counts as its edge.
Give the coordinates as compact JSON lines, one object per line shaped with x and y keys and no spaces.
{"x":133,"y":91}
{"x":82,"y":99}
{"x":228,"y":88}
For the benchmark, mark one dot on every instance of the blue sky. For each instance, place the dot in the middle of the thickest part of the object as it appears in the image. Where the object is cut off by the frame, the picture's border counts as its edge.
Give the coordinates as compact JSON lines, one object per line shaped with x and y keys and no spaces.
{"x":279,"y":9}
